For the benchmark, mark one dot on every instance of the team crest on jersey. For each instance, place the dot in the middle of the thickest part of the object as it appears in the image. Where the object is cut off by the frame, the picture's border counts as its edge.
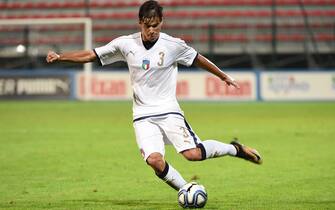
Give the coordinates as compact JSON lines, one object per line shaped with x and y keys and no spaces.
{"x":145,"y":64}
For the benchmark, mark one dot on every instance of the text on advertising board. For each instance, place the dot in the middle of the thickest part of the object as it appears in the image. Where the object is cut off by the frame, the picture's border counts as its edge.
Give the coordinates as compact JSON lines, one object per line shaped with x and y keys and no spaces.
{"x":18,"y":86}
{"x":104,"y":86}
{"x":215,"y":87}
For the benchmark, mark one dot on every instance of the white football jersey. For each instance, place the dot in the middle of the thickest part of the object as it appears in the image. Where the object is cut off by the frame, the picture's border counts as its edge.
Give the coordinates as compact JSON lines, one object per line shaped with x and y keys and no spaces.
{"x":153,"y":72}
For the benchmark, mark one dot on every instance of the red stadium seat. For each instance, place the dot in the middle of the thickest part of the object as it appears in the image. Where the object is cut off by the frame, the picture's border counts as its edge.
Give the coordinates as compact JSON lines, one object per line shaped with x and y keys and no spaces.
{"x":172,"y":3}
{"x":227,"y":17}
{"x":243,"y":38}
{"x":183,"y":14}
{"x":121,"y":27}
{"x":188,"y":38}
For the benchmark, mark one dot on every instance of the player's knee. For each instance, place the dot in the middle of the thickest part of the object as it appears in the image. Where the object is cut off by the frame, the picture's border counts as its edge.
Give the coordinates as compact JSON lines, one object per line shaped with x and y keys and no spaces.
{"x":192,"y":154}
{"x":156,"y":161}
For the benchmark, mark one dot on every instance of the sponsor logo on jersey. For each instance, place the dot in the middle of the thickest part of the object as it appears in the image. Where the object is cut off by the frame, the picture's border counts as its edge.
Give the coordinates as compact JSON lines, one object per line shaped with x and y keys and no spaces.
{"x":145,"y":64}
{"x":130,"y":52}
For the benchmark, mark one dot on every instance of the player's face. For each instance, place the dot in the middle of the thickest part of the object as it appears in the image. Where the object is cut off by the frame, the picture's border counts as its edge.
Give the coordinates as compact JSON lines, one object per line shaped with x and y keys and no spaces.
{"x":150,"y":28}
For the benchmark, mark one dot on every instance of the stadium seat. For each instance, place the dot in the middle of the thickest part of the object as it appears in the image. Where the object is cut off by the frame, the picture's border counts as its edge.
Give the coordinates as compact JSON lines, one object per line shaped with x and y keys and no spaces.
{"x":171,"y":3}
{"x":230,"y":21}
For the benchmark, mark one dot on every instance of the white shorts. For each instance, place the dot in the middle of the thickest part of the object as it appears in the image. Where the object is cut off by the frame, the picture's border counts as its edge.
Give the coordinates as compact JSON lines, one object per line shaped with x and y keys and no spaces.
{"x":153,"y":132}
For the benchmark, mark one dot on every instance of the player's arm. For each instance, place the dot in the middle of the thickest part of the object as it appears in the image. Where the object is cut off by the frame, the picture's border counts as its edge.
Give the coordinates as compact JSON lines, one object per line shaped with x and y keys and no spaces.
{"x":202,"y":62}
{"x":81,"y":56}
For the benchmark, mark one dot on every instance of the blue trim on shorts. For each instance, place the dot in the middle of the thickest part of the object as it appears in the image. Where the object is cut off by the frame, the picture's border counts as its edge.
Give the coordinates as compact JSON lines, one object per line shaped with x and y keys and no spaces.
{"x":191,"y":132}
{"x":203,"y":151}
{"x":157,"y":115}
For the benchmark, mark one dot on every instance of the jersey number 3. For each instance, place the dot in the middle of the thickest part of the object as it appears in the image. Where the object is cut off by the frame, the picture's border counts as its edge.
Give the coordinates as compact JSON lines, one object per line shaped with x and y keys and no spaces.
{"x":161,"y":58}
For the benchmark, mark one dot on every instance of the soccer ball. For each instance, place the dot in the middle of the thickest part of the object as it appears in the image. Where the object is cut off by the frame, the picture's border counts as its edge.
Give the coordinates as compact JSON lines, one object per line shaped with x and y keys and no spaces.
{"x":192,"y":195}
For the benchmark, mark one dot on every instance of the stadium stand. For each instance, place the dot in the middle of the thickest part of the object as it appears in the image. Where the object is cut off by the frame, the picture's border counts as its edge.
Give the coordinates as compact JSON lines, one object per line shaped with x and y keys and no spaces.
{"x":212,"y":26}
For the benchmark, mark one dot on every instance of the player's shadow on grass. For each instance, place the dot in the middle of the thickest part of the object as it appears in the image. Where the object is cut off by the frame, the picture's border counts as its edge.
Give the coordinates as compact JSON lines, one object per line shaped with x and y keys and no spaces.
{"x":124,"y":204}
{"x":92,"y":204}
{"x":130,"y":204}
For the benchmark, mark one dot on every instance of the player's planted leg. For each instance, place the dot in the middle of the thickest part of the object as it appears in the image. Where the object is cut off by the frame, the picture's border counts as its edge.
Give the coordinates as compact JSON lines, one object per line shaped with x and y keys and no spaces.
{"x":165,"y":171}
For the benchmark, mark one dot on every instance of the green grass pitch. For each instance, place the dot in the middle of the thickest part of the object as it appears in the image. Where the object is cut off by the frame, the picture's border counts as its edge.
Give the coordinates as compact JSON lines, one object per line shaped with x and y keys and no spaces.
{"x":83,"y":155}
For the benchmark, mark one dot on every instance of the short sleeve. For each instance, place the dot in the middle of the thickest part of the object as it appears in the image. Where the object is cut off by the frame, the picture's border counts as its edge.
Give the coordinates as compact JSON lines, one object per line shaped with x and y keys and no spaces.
{"x":186,"y":54}
{"x":110,"y":53}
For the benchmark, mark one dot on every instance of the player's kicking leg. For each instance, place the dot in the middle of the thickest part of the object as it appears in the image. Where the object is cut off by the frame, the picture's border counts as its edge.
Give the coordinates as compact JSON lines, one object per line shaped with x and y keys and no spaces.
{"x":247,"y":153}
{"x":213,"y":149}
{"x":209,"y":148}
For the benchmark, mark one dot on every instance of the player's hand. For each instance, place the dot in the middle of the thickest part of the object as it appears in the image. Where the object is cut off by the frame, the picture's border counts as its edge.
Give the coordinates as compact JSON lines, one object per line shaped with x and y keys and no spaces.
{"x":230,"y":81}
{"x":52,"y":57}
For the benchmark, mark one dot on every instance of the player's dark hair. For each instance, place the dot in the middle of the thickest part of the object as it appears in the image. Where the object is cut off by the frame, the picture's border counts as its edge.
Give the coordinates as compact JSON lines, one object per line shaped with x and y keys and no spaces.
{"x":150,"y":9}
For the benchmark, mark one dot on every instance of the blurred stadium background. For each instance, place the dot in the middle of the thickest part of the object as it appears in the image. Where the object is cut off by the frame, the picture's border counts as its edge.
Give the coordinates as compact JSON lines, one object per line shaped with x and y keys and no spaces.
{"x":249,"y":35}
{"x":61,"y":154}
{"x":262,"y":34}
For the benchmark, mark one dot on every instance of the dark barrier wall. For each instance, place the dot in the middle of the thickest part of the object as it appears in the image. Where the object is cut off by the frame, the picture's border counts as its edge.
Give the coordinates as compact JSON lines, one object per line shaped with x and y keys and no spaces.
{"x":192,"y":85}
{"x":36,"y":85}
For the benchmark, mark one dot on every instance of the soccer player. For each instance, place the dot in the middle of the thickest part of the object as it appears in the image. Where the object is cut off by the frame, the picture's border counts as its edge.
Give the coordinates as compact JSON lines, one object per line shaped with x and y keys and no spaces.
{"x":152,"y":58}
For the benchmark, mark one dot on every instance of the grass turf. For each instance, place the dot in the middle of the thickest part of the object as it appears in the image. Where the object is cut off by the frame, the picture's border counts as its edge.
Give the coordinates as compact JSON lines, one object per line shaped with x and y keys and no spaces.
{"x":83,"y":155}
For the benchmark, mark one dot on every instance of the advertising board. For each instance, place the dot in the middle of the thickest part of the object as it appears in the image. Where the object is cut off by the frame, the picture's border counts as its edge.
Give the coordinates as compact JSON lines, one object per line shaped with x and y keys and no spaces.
{"x":190,"y":86}
{"x":35,"y":86}
{"x":277,"y":86}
